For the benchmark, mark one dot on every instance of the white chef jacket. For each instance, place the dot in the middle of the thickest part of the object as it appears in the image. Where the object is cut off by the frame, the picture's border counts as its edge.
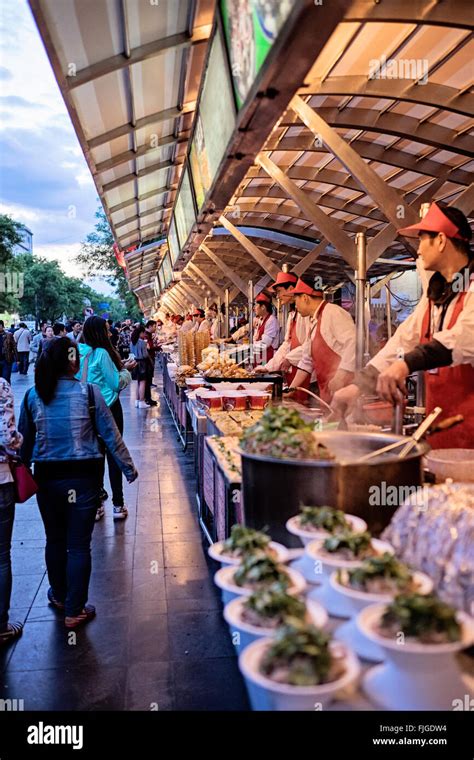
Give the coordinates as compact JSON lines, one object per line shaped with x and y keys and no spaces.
{"x":339,"y":332}
{"x":215,"y":328}
{"x":303,"y":329}
{"x":460,"y":339}
{"x":187,"y":326}
{"x":203,"y":327}
{"x":271,"y":334}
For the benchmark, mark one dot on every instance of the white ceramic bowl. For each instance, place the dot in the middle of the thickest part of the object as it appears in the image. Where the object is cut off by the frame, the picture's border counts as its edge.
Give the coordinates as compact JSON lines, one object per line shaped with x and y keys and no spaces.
{"x":414,"y":676}
{"x":224,"y":578}
{"x":361,"y":599}
{"x":265,"y":694}
{"x":293,"y":526}
{"x":354,"y":601}
{"x":215,"y":553}
{"x":243,"y":633}
{"x":325,"y":564}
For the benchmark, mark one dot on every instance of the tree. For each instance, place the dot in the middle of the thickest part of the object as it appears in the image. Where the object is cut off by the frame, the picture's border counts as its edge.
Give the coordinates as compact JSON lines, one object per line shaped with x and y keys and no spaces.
{"x":98,"y":258}
{"x":45,"y":290}
{"x":11,"y":282}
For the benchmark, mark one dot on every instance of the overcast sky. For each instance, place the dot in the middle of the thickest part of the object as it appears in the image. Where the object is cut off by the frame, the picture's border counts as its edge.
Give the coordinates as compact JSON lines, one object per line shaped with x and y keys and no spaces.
{"x":44,"y":182}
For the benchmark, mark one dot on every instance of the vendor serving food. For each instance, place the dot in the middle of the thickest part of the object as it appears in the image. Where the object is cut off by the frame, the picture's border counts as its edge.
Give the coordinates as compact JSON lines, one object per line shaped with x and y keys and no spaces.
{"x":289,"y":354}
{"x":438,"y":337}
{"x":329,"y":349}
{"x":266,"y":327}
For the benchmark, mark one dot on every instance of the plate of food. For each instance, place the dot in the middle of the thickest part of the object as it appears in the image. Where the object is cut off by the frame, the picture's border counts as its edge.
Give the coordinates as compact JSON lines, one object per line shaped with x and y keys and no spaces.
{"x":320,"y":522}
{"x":260,"y":614}
{"x":255,"y":572}
{"x":299,"y":669}
{"x":243,"y":541}
{"x":419,"y":635}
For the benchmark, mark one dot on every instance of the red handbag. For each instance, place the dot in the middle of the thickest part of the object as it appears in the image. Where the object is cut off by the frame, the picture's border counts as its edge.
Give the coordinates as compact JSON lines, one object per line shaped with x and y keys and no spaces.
{"x":24,"y":482}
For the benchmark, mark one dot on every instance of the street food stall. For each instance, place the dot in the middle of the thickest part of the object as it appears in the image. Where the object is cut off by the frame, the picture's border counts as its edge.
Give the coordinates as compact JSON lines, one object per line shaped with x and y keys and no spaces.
{"x":306,"y":137}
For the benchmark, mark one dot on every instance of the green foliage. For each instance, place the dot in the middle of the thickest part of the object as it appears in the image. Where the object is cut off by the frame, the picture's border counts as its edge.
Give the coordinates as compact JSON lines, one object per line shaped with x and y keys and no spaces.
{"x":302,"y":650}
{"x":11,"y":283}
{"x":423,"y":616}
{"x":98,"y":260}
{"x":325,"y":518}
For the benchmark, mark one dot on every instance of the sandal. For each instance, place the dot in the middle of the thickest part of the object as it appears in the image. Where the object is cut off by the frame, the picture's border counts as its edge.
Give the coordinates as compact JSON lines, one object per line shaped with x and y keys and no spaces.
{"x":54,"y":602}
{"x":14,"y":630}
{"x":87,"y":614}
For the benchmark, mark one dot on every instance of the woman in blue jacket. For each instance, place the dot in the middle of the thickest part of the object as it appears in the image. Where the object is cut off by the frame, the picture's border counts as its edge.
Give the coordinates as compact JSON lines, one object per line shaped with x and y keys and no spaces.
{"x":60,"y":420}
{"x":101,"y":364}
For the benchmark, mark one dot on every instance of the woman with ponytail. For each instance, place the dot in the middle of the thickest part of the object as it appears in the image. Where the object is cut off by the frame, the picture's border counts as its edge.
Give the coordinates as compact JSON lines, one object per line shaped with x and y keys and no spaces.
{"x":60,"y":420}
{"x":101,"y":364}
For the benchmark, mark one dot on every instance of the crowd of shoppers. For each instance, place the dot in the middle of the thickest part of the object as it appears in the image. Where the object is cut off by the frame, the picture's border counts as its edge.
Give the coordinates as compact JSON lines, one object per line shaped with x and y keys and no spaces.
{"x":71,"y":422}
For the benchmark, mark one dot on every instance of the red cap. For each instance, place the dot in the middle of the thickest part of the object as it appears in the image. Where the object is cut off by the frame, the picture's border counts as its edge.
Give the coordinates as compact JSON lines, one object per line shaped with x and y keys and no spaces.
{"x":263,"y":298}
{"x":301,"y":288}
{"x":284,"y":278}
{"x":433,"y":221}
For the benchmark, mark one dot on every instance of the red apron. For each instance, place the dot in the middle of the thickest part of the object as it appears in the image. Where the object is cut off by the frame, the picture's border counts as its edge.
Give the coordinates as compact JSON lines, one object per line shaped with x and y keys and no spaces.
{"x":259,"y":336}
{"x":451,"y":388}
{"x":301,"y":397}
{"x":325,"y":361}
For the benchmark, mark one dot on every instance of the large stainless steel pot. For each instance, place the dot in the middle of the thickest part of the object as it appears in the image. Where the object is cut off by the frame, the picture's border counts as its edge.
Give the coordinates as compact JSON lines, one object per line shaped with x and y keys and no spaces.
{"x":274,"y":489}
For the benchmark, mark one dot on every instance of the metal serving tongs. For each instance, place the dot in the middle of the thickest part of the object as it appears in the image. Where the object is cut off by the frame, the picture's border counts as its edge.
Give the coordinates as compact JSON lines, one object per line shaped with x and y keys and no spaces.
{"x":409,"y":443}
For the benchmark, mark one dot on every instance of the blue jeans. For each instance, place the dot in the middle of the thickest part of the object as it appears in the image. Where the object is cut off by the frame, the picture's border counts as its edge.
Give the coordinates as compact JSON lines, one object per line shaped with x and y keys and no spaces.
{"x":6,"y":370}
{"x":7,"y":514}
{"x":68,"y":508}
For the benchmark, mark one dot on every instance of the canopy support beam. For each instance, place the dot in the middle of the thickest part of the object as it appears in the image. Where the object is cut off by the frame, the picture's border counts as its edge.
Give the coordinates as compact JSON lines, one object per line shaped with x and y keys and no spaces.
{"x":329,"y":227}
{"x":229,"y":273}
{"x":262,"y":260}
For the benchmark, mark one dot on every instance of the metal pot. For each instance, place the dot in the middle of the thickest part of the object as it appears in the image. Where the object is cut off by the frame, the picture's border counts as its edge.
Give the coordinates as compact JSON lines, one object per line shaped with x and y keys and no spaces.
{"x":274,"y":489}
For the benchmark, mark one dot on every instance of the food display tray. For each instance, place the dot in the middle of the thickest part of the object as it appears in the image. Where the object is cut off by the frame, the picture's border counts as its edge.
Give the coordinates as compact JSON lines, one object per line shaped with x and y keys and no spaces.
{"x":276,"y":380}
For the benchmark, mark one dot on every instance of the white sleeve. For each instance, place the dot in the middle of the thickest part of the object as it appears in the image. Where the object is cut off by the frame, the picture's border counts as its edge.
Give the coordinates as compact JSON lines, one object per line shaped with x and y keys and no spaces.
{"x":339,"y":332}
{"x":271,"y":333}
{"x":460,"y":338}
{"x":405,"y":338}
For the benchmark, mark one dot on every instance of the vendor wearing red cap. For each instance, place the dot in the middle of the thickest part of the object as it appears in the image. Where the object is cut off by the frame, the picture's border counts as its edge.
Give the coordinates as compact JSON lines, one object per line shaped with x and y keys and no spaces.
{"x":200,"y":323}
{"x":289,"y":354}
{"x":438,"y":337}
{"x":266,"y":328}
{"x":329,"y":350}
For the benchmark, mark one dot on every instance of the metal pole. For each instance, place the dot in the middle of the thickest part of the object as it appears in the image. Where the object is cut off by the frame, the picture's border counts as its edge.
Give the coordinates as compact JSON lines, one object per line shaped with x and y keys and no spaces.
{"x":361,"y":279}
{"x":226,"y":318}
{"x":367,"y":321}
{"x":388,"y":311}
{"x":250,"y":308}
{"x":206,"y":301}
{"x":219,"y":318}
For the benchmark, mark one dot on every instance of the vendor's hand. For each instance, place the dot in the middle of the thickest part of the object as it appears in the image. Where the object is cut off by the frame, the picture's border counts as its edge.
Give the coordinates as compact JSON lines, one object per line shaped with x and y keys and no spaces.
{"x":260,"y":370}
{"x":286,"y":365}
{"x":344,"y":400}
{"x":340,"y":380}
{"x":391,"y":382}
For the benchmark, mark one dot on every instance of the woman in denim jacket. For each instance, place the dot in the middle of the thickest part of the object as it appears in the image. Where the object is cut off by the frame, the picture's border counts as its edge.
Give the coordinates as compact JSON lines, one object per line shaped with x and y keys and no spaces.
{"x":60,"y":419}
{"x":10,"y":440}
{"x":101,"y":364}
